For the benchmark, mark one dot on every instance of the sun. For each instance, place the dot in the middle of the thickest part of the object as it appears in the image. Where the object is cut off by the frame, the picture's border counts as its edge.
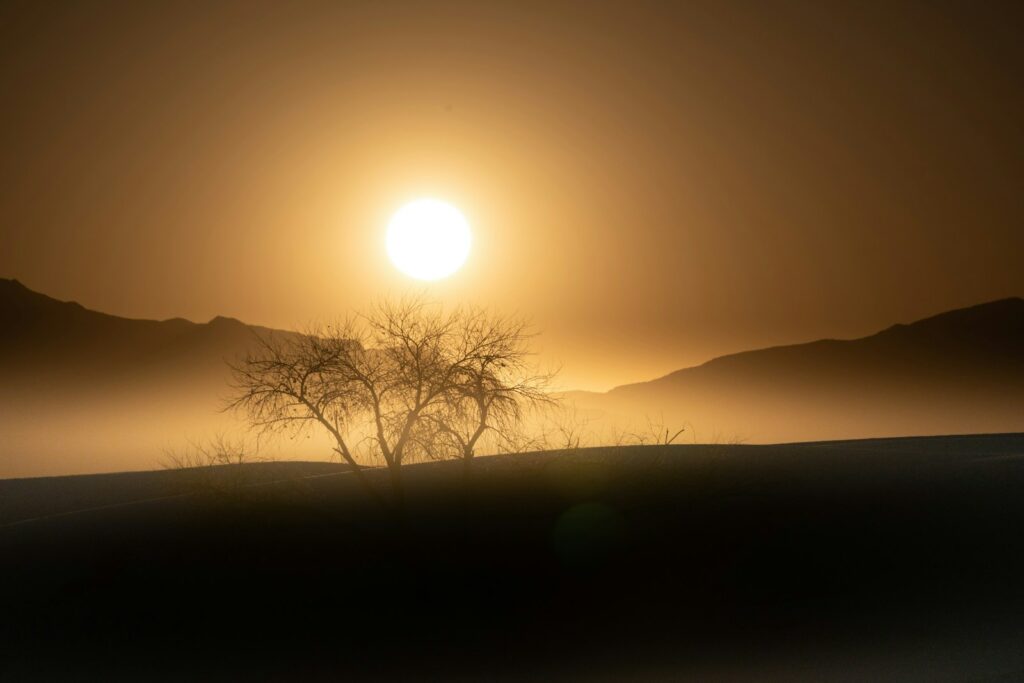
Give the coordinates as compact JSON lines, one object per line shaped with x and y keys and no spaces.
{"x":428,"y":239}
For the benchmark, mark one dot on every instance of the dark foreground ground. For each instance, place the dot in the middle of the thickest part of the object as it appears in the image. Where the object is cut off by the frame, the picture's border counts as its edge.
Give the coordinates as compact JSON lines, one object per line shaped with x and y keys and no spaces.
{"x":896,"y":559}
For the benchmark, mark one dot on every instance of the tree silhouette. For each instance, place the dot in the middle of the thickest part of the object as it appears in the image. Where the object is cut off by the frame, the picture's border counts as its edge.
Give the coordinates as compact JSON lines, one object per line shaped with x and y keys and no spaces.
{"x":494,"y":386}
{"x":407,"y":377}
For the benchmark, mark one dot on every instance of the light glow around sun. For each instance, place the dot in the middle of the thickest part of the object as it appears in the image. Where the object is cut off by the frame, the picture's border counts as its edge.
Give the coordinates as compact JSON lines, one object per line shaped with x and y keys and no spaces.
{"x":428,"y":239}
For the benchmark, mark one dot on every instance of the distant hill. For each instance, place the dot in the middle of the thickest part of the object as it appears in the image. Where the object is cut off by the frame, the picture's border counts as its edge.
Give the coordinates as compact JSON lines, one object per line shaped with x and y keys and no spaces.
{"x":957,"y":372}
{"x":43,"y":337}
{"x":84,"y":391}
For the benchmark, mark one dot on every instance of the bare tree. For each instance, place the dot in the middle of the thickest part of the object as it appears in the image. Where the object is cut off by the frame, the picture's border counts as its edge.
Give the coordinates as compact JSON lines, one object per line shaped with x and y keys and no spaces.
{"x":657,"y":433}
{"x":493,"y":386}
{"x":292,"y":383}
{"x":404,"y":369}
{"x":214,"y":466}
{"x":418,"y":381}
{"x":567,"y":429}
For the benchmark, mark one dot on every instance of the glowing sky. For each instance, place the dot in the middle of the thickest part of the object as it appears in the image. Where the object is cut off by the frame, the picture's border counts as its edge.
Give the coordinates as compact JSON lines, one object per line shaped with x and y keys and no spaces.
{"x":654,"y":185}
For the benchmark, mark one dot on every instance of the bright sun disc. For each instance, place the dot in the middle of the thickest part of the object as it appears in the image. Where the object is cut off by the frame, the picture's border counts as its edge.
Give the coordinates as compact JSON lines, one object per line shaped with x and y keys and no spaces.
{"x":428,"y":239}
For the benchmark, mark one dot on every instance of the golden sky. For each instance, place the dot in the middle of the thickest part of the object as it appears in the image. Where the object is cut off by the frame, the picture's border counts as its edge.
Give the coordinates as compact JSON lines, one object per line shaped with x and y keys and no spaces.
{"x":653,"y":184}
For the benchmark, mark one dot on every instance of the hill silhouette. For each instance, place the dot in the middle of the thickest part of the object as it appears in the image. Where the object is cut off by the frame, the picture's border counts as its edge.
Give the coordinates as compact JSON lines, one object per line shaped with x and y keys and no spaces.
{"x":85,"y":391}
{"x":958,"y":372}
{"x":44,"y":335}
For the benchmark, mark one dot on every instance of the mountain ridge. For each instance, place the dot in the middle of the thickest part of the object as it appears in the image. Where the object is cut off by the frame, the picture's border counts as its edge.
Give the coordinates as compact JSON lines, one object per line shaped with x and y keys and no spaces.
{"x":16,"y":297}
{"x":1013,"y":306}
{"x":41,"y":334}
{"x":960,"y":371}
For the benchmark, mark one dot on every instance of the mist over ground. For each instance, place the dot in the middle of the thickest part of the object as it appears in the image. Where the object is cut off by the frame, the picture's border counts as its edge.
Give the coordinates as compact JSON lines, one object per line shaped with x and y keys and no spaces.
{"x":88,"y":392}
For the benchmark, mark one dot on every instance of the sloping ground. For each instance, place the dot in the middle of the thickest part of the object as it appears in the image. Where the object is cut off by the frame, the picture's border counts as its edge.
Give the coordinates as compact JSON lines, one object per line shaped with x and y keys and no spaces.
{"x":41,"y":497}
{"x":898,"y":559}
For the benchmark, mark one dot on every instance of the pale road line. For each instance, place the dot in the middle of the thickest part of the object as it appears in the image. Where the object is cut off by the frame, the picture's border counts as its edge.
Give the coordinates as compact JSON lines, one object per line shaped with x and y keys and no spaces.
{"x":162,"y":498}
{"x":93,"y":509}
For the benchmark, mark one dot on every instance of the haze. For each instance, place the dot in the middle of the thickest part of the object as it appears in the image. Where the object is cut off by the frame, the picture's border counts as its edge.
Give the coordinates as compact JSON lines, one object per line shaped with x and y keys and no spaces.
{"x":654,"y":185}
